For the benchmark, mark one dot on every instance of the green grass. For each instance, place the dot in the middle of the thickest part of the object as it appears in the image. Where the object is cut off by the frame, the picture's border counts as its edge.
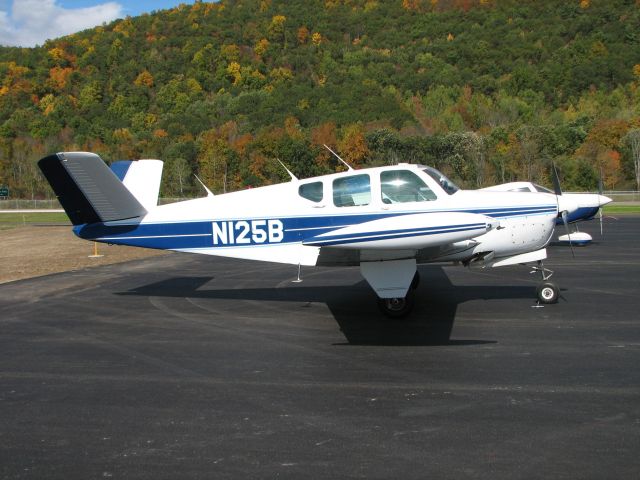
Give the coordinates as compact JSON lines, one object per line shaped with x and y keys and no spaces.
{"x":10,"y":220}
{"x":617,"y":209}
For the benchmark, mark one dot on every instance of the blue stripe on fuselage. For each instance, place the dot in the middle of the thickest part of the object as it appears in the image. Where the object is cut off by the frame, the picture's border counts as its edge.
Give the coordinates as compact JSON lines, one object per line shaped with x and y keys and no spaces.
{"x":199,"y":234}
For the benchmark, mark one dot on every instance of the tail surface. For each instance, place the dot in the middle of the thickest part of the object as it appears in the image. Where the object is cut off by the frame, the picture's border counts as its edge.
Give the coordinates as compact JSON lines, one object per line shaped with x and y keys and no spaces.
{"x":88,"y":190}
{"x":142,"y":178}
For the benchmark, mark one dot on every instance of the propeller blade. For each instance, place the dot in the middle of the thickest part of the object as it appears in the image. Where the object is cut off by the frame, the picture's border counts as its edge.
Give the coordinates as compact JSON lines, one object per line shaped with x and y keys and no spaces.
{"x":600,"y":184}
{"x":601,"y":229}
{"x":566,"y":227}
{"x":600,"y":189}
{"x":556,"y":180}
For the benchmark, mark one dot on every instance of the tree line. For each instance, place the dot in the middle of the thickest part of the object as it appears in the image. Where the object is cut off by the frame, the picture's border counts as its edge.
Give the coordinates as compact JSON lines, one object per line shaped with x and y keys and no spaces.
{"x":489,"y":91}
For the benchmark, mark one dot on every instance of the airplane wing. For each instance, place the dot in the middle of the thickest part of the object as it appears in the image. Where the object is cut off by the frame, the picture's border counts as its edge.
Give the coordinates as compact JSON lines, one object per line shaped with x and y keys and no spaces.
{"x":423,"y":236}
{"x":411,"y":232}
{"x":386,"y":249}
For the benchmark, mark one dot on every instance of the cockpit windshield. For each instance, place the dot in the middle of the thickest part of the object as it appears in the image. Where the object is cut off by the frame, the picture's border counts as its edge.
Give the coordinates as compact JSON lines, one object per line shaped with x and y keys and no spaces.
{"x":446,"y":184}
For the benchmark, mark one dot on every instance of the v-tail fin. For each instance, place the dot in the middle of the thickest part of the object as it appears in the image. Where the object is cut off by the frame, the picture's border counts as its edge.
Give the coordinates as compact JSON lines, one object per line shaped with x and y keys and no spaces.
{"x":142,"y":178}
{"x":88,"y":190}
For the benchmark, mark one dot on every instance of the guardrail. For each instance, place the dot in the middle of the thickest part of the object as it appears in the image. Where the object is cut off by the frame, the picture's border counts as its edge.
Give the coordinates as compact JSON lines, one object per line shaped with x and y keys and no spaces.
{"x":21,"y":204}
{"x":623,"y":196}
{"x":53,"y":204}
{"x":618,"y":195}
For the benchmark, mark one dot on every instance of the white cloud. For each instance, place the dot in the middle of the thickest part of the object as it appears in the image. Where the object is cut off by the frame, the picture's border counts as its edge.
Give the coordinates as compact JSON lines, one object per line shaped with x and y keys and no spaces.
{"x":33,"y":21}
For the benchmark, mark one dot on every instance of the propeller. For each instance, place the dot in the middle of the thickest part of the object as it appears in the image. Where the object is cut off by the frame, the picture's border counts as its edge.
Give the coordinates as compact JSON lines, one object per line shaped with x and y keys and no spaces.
{"x":558,"y":191}
{"x":600,"y":189}
{"x":556,"y":181}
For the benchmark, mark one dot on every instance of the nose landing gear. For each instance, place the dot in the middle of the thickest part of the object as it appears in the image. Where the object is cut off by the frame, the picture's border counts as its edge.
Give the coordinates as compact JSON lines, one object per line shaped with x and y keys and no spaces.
{"x":547,"y":292}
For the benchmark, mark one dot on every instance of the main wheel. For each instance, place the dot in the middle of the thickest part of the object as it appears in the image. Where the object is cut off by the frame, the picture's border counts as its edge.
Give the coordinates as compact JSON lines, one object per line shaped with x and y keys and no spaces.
{"x":416,"y":280}
{"x":548,"y":292}
{"x":396,"y":307}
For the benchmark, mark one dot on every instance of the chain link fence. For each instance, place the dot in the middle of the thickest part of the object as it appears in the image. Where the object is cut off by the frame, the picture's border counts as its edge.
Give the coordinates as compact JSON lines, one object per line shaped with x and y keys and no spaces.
{"x":21,"y":204}
{"x":630,"y":196}
{"x":52,"y":204}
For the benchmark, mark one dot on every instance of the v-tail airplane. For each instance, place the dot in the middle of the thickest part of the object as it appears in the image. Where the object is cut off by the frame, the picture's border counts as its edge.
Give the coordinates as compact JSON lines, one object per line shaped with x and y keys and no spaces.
{"x":386,"y":220}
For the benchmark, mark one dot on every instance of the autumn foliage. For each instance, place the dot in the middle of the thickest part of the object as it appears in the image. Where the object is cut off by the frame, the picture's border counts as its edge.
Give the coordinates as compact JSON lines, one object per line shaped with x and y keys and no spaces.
{"x":488,"y":90}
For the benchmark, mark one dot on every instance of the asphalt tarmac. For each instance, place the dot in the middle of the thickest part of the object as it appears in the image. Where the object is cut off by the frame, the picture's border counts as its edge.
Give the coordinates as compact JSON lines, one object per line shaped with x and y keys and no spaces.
{"x":181,"y":367}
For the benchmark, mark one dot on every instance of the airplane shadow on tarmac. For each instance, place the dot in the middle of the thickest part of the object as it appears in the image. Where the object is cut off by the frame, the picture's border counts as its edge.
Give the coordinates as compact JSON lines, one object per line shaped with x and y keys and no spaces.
{"x":354,"y":306}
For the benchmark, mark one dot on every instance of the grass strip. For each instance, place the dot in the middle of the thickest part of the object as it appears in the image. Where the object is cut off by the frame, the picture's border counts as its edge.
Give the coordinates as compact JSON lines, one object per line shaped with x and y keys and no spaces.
{"x":617,"y":209}
{"x":12,"y":219}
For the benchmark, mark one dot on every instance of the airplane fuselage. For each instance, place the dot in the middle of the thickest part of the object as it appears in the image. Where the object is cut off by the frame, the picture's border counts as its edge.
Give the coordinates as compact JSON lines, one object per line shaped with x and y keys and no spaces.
{"x":387,"y":220}
{"x":359,"y":215}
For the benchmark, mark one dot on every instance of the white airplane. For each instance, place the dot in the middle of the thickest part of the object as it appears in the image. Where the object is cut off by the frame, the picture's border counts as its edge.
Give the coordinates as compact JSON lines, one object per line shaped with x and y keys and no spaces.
{"x":589,"y":205}
{"x":386,"y":220}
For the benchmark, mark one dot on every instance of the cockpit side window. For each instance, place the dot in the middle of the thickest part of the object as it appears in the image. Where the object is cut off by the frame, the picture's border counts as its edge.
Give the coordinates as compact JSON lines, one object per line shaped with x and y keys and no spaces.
{"x":352,"y":191}
{"x":446,"y":184}
{"x":311,"y":191}
{"x":402,"y":186}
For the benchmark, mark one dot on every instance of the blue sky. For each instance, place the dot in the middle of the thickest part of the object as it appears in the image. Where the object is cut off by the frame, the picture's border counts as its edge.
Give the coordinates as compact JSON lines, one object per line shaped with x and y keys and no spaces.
{"x":27,"y":23}
{"x":132,"y":8}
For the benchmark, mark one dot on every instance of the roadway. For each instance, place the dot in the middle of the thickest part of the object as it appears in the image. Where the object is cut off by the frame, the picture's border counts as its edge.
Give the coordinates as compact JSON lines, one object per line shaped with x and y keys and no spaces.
{"x":194,"y":367}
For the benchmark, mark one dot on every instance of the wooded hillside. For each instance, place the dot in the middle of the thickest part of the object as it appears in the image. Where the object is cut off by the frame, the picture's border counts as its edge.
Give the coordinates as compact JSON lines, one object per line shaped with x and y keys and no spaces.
{"x":487,"y":90}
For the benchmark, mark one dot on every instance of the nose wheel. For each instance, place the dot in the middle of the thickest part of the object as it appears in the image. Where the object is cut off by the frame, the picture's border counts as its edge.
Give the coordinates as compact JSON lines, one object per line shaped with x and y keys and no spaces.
{"x":547,"y":292}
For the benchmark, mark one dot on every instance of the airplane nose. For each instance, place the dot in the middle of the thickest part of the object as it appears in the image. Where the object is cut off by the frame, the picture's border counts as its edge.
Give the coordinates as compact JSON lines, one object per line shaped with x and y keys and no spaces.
{"x":603,"y":200}
{"x":567,"y":204}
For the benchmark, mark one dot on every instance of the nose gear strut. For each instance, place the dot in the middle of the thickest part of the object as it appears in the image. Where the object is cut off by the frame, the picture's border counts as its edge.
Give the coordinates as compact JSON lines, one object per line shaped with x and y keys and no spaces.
{"x":547,"y":292}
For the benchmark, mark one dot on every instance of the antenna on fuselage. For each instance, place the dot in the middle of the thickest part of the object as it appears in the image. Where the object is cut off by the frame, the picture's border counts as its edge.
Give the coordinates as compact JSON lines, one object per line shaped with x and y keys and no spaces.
{"x":209,"y":192}
{"x":338,"y":157}
{"x":293,"y":177}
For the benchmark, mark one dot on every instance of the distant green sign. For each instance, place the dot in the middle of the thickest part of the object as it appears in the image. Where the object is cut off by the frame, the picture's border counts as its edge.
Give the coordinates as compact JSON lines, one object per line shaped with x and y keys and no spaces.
{"x":4,"y":191}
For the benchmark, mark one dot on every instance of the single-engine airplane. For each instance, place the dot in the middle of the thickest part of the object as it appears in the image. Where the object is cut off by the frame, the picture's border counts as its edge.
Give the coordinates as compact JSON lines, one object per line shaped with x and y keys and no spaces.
{"x":589,"y":205}
{"x":386,"y":220}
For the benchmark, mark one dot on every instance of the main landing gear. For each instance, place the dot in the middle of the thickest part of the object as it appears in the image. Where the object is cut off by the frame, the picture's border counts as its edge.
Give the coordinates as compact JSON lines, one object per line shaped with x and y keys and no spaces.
{"x":547,"y":292}
{"x":400,"y":307}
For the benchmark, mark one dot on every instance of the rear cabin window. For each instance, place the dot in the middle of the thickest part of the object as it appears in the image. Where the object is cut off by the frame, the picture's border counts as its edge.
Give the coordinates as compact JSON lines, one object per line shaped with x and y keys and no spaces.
{"x":540,"y":188}
{"x":403,"y":186}
{"x":311,"y":191}
{"x":352,"y":191}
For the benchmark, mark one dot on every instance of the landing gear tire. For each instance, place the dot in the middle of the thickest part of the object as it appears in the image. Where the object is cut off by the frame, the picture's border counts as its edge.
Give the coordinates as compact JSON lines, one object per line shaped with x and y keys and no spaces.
{"x":416,"y":281}
{"x":397,"y":307}
{"x":548,"y":292}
